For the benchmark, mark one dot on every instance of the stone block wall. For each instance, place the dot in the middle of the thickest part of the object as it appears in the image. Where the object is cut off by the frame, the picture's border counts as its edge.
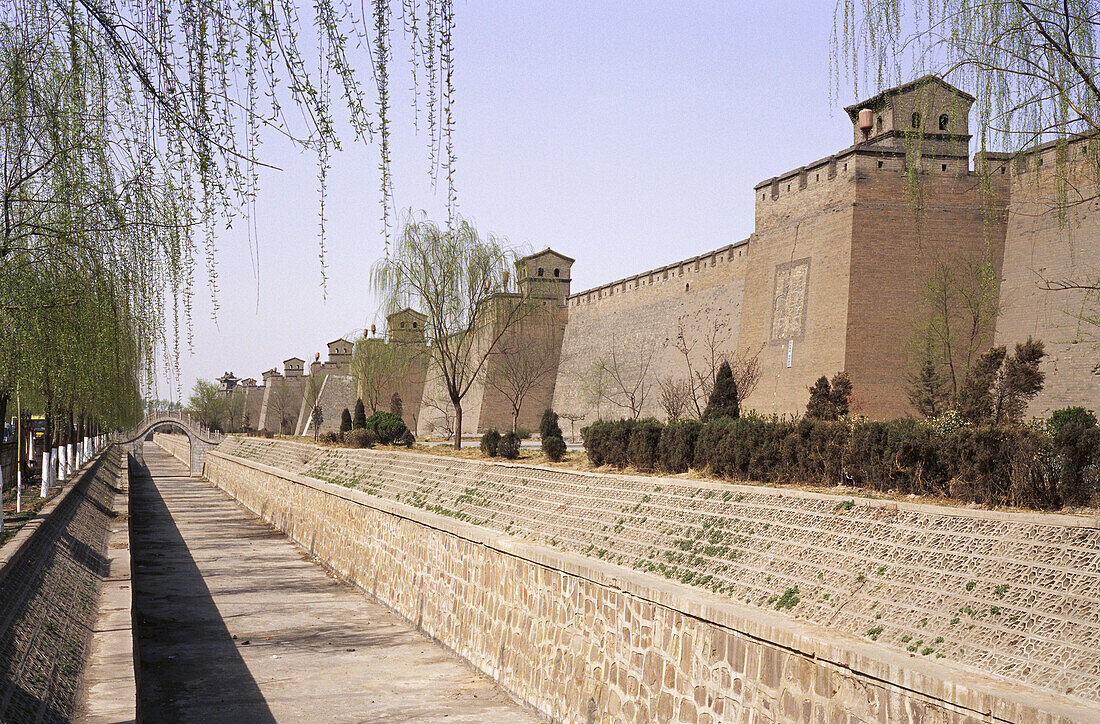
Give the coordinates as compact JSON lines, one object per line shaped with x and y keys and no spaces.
{"x":489,"y":559}
{"x":175,"y":445}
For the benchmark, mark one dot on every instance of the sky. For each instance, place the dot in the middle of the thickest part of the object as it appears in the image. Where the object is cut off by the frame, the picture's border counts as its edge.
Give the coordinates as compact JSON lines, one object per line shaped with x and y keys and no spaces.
{"x":626,"y":135}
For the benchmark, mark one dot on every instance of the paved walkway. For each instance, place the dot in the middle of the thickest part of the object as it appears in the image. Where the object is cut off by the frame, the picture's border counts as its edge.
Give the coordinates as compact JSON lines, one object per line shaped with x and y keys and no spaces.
{"x":235,"y":623}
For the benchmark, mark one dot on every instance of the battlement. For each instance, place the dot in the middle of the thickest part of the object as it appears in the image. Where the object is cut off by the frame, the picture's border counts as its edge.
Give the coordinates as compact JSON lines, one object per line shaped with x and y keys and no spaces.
{"x":700,"y":264}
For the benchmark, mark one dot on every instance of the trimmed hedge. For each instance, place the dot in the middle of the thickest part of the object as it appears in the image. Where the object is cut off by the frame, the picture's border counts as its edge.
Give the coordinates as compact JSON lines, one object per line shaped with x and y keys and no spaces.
{"x":360,"y":438}
{"x":994,"y":465}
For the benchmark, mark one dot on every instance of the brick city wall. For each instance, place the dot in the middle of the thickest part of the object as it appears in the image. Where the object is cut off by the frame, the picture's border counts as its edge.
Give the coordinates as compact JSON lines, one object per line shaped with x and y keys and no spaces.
{"x":1041,"y":247}
{"x":545,"y":580}
{"x":639,"y":317}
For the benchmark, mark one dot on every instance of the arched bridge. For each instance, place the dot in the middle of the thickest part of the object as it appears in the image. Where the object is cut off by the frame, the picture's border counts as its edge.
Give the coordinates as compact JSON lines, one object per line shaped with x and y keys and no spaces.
{"x":200,"y":437}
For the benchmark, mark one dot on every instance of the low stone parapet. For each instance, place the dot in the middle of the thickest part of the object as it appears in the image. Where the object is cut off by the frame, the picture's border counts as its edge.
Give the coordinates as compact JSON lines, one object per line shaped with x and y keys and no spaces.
{"x":601,"y":636}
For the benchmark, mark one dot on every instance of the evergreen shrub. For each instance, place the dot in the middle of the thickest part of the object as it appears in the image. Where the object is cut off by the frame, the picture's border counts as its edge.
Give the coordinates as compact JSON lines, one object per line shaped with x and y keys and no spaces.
{"x":387,"y":427}
{"x":489,"y":442}
{"x":509,"y":446}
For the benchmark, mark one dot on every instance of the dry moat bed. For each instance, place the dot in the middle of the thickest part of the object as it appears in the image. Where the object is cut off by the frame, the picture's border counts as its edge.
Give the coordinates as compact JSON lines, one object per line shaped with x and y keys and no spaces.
{"x":1012,"y":594}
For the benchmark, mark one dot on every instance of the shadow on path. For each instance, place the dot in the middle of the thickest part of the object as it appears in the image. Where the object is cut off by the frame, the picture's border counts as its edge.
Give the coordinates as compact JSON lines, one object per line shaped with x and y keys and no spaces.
{"x":189,"y":666}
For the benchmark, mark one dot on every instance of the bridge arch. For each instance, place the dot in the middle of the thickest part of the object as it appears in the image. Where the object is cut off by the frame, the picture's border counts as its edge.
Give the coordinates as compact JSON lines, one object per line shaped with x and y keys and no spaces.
{"x":199,"y":437}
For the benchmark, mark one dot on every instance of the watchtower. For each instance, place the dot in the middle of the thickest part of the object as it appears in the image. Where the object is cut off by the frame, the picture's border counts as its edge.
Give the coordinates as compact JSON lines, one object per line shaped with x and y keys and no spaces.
{"x":406,"y":325}
{"x":928,"y":111}
{"x":293,"y":367}
{"x":544,"y":274}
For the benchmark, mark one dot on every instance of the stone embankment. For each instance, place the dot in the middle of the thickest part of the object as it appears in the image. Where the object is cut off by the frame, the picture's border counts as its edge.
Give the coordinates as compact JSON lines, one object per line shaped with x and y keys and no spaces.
{"x":594,"y":596}
{"x":50,"y":575}
{"x":175,"y":445}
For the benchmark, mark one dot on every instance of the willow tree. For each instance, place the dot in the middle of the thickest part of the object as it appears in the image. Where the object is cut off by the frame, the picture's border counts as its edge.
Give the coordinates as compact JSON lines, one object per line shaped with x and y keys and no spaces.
{"x":460,"y":280}
{"x":379,"y":367}
{"x":132,"y":129}
{"x":1032,"y":66}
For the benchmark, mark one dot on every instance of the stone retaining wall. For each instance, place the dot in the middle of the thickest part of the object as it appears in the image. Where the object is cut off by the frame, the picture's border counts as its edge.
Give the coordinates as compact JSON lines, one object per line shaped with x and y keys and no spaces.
{"x":175,"y":445}
{"x":50,"y":575}
{"x":581,"y":639}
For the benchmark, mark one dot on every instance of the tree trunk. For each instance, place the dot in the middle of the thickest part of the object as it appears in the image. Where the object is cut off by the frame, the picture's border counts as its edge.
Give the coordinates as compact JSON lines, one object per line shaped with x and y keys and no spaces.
{"x":515,"y":420}
{"x":458,"y":425}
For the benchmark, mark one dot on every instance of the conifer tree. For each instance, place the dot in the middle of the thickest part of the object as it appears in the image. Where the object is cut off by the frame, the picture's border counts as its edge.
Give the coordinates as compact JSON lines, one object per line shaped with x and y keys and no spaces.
{"x":975,"y":397}
{"x":360,"y":415}
{"x":723,"y":397}
{"x":820,"y":406}
{"x":841,"y":394}
{"x":345,"y":421}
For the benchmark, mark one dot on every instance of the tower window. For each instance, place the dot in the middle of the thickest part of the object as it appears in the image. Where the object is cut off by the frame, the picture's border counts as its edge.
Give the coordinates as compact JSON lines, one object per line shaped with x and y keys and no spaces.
{"x":944,"y":120}
{"x":414,"y":325}
{"x":916,"y":120}
{"x":541,"y":271}
{"x":878,"y":124}
{"x":402,"y":325}
{"x":557,"y":272}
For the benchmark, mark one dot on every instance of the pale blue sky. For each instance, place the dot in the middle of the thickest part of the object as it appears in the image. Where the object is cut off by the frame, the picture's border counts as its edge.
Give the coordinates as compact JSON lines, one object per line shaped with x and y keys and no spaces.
{"x":624,"y":134}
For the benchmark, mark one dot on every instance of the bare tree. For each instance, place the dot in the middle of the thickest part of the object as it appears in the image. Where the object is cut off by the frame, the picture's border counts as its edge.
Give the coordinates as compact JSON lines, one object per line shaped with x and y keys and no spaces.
{"x":702,"y":358}
{"x":460,"y":281}
{"x":445,"y":423}
{"x":573,"y":417}
{"x":958,"y":311}
{"x":281,"y":407}
{"x":525,"y":359}
{"x":622,"y":377}
{"x":675,"y":395}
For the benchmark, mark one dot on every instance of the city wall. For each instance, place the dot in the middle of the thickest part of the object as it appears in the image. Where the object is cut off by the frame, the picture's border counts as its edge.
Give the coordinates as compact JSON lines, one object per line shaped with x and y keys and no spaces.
{"x":1040,"y":248}
{"x":834,"y":277}
{"x":639,"y":318}
{"x":489,"y":559}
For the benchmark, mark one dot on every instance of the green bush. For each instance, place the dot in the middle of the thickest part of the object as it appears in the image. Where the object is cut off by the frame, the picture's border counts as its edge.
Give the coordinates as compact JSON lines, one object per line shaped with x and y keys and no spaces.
{"x":345,"y":421}
{"x":642,"y":449}
{"x":360,"y":422}
{"x":509,"y":446}
{"x":523,"y":433}
{"x":595,"y":441}
{"x":387,"y":426}
{"x":554,"y":447}
{"x":1077,"y":450}
{"x":330,"y":437}
{"x":360,"y":438}
{"x":406,"y":440}
{"x":676,"y":451}
{"x":1061,"y":418}
{"x":548,"y":425}
{"x":490,"y":441}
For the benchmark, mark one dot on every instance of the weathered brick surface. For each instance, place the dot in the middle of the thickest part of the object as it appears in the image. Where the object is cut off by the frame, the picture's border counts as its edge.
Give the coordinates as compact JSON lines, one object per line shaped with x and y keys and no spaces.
{"x":794,"y":606}
{"x":49,"y":585}
{"x":1040,"y":248}
{"x":641,"y":315}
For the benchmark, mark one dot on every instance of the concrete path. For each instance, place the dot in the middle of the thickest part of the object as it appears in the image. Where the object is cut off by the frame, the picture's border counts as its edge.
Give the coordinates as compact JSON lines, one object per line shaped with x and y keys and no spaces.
{"x":235,"y":623}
